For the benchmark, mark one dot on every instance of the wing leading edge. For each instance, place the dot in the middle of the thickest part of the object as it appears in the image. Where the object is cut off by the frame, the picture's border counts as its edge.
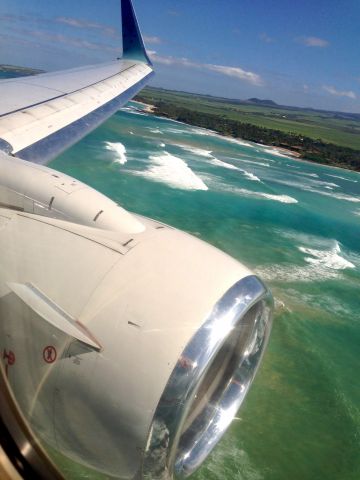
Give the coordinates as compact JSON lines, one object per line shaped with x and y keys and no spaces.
{"x":42,"y":115}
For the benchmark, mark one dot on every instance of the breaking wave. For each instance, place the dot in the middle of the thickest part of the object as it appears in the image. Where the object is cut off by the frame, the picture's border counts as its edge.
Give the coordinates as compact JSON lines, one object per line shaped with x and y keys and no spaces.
{"x":315,"y":175}
{"x":320,"y":265}
{"x":202,"y":131}
{"x":155,"y":130}
{"x":342,"y":178}
{"x":251,"y":176}
{"x":135,"y":112}
{"x":327,"y":258}
{"x":267,"y":196}
{"x":238,"y":142}
{"x":177,"y":131}
{"x":119,"y":149}
{"x":338,"y":196}
{"x":220,"y":163}
{"x":263,"y":164}
{"x":273,"y":151}
{"x":196,"y":151}
{"x":173,"y":171}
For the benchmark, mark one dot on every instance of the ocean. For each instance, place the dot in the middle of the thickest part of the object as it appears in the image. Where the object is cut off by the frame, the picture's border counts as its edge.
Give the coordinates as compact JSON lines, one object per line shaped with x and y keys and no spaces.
{"x":297,"y":225}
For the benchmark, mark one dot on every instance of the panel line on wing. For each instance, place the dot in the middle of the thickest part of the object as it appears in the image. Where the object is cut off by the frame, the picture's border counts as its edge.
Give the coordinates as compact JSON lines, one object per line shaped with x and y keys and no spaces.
{"x":62,"y":94}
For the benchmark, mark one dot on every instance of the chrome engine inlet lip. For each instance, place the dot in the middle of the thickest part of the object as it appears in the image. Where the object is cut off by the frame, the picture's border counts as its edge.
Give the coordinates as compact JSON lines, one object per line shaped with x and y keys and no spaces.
{"x":162,"y":457}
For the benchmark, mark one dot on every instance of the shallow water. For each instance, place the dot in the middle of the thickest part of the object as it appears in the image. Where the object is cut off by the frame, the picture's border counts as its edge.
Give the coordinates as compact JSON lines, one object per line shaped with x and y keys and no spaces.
{"x":297,"y":225}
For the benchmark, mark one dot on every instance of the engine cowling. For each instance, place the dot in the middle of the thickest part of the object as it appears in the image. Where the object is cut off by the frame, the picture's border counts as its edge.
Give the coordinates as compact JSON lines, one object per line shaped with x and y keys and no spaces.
{"x":128,"y":353}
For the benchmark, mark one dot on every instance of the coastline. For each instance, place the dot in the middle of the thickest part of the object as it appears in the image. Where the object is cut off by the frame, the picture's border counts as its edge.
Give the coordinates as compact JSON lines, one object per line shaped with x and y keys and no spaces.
{"x":294,"y":145}
{"x":149,"y":108}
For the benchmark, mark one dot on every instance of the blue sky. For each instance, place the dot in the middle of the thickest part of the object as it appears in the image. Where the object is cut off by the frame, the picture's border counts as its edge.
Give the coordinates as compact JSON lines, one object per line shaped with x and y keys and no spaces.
{"x":302,"y":53}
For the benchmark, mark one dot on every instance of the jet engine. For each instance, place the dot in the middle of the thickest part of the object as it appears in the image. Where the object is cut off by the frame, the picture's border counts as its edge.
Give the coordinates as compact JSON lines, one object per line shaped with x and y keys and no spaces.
{"x":129,"y":351}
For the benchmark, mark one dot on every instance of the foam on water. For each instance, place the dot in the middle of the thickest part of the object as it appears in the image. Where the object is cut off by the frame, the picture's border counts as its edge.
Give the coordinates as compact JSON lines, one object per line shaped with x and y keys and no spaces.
{"x":273,"y":151}
{"x":342,"y":178}
{"x":251,"y":176}
{"x":312,"y":188}
{"x":295,"y":273}
{"x":331,"y":304}
{"x":261,"y":195}
{"x":177,"y":131}
{"x":262,"y":164}
{"x":173,"y":171}
{"x":237,"y":141}
{"x":196,"y":151}
{"x":220,"y":163}
{"x":162,"y":145}
{"x":119,"y":150}
{"x":156,"y":130}
{"x":327,"y":258}
{"x":338,"y":196}
{"x":315,"y":175}
{"x":327,"y":184}
{"x":202,"y":131}
{"x":134,"y":111}
{"x":323,"y":263}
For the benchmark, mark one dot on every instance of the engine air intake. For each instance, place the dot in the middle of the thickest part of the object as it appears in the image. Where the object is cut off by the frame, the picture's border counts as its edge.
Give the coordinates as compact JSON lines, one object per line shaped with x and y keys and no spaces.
{"x":210,"y":381}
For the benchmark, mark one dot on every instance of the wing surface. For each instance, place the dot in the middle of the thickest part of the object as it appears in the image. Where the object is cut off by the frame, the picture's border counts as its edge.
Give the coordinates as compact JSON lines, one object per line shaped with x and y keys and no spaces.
{"x":42,"y":115}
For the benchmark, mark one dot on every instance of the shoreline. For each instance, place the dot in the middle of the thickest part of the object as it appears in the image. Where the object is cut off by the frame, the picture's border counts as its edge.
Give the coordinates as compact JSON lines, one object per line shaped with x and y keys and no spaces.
{"x":149,"y":108}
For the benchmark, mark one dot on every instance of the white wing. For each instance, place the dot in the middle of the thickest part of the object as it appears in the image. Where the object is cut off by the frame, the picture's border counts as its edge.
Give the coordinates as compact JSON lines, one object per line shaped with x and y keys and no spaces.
{"x":42,"y":115}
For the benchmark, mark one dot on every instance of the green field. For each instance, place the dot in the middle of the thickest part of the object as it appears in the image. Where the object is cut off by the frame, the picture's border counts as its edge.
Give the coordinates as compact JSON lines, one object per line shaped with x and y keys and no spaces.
{"x":332,"y":127}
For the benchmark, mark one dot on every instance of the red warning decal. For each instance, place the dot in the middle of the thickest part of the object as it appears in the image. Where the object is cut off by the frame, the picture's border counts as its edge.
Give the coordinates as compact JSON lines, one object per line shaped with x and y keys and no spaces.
{"x":49,"y":354}
{"x":9,"y":357}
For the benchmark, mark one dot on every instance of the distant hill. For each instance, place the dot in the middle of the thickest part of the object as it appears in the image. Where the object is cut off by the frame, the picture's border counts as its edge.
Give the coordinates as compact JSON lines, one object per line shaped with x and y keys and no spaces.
{"x":258,"y":101}
{"x":235,"y":101}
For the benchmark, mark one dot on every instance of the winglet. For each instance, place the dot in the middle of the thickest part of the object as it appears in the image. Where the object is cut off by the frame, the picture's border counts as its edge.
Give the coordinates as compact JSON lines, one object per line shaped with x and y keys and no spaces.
{"x":133,"y":44}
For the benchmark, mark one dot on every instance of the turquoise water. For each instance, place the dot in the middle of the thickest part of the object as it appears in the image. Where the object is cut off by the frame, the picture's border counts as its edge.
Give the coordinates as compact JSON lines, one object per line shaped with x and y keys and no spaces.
{"x":297,"y":225}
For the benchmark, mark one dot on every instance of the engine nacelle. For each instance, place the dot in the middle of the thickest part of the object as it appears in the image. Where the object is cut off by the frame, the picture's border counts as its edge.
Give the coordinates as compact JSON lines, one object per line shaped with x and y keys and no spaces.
{"x":127,"y":353}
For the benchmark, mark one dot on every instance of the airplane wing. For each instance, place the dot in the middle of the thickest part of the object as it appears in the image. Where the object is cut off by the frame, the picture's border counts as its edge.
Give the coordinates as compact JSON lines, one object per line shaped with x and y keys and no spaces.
{"x":42,"y":115}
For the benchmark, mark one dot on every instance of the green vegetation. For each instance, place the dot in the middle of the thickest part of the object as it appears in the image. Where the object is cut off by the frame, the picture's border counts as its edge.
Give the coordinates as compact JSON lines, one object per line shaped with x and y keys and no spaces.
{"x":324,"y":137}
{"x":18,"y":71}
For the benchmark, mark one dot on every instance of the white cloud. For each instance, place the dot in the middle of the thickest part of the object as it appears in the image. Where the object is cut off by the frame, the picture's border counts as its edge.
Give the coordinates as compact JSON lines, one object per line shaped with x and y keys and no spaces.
{"x":266,"y":38}
{"x":152,"y":40}
{"x":313,"y":42}
{"x":82,"y":23}
{"x":235,"y":72}
{"x":69,"y":41}
{"x":339,"y":93}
